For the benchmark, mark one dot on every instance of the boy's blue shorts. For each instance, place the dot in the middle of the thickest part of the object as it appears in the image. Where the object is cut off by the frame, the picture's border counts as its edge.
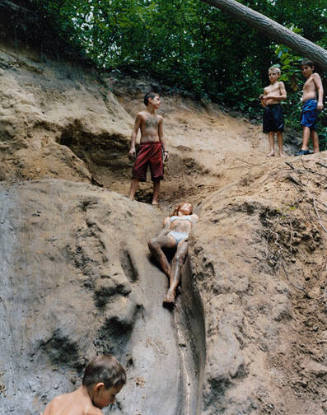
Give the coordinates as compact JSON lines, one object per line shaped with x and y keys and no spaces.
{"x":309,"y":114}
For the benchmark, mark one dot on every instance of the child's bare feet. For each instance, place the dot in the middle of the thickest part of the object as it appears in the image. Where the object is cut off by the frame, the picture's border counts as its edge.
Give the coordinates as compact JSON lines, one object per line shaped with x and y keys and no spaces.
{"x":155,"y":203}
{"x":169,"y":300}
{"x":271,"y":154}
{"x":282,"y":154}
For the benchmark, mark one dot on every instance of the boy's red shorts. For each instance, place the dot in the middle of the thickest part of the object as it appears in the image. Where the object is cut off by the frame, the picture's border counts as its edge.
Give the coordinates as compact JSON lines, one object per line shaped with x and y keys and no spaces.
{"x":149,"y":154}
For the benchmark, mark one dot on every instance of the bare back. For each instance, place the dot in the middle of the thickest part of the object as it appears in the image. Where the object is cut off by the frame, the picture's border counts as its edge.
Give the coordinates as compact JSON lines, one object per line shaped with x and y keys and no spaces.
{"x":75,"y":403}
{"x":150,"y":126}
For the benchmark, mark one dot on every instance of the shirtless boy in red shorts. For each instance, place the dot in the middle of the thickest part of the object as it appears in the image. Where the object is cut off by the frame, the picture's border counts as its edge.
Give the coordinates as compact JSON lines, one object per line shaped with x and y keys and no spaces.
{"x":152,"y":150}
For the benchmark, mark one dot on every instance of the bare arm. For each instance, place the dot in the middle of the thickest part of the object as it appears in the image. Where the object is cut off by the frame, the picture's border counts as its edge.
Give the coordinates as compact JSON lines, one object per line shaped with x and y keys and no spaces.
{"x":48,"y":409}
{"x":282,"y":90}
{"x":320,"y":89}
{"x":195,"y":218}
{"x":262,"y":98}
{"x":137,"y":125}
{"x":166,"y":223}
{"x":162,"y":139}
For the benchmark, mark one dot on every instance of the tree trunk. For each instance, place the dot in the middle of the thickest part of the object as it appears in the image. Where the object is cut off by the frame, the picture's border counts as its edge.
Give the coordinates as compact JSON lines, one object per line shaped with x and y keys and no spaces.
{"x":273,"y":30}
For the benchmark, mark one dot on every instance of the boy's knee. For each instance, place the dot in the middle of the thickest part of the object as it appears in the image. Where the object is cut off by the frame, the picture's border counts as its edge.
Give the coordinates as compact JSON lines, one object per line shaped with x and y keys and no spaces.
{"x":179,"y":259}
{"x":152,"y":244}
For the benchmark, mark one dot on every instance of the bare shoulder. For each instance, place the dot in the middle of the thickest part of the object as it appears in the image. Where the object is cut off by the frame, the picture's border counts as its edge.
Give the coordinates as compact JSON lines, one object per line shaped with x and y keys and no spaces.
{"x":316,"y":79}
{"x":52,"y":406}
{"x":195,"y":217}
{"x":48,"y":409}
{"x":166,"y":220}
{"x":266,"y":90}
{"x":160,"y":118}
{"x":316,"y":76}
{"x":93,"y":411}
{"x":282,"y":87}
{"x":141,"y":115}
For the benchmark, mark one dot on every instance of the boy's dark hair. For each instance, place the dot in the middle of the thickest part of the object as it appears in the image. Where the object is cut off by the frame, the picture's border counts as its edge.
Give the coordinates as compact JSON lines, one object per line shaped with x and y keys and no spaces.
{"x":104,"y":369}
{"x":307,"y":62}
{"x":151,"y":95}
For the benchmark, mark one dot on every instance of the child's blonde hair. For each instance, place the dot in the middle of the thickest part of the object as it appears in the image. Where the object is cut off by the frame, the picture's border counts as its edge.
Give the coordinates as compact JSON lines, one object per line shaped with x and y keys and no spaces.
{"x":275,"y":68}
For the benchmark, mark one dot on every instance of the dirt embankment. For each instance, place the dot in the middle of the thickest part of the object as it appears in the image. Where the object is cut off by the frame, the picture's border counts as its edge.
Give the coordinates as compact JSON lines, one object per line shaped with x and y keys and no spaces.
{"x":77,"y":278}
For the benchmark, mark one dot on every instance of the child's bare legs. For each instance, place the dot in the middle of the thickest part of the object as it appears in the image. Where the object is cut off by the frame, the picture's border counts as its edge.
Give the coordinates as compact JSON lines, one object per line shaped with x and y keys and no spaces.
{"x":156,"y":189}
{"x":133,"y":188}
{"x":271,"y":144}
{"x":175,"y":276}
{"x":156,"y":245}
{"x":305,"y":138}
{"x":280,"y":143}
{"x":315,"y":141}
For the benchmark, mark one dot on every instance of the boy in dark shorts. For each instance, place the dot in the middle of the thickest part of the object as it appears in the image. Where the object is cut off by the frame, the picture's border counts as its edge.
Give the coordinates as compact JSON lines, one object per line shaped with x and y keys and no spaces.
{"x":273,"y":119}
{"x":103,"y":379}
{"x":153,"y":151}
{"x":312,"y":102}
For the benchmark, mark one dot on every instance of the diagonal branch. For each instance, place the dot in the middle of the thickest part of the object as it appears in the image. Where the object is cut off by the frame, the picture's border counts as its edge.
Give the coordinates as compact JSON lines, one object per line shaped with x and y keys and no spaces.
{"x":273,"y":30}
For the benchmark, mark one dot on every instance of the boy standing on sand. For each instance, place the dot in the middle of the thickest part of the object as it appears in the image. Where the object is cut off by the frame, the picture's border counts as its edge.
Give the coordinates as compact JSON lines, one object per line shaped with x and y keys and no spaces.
{"x":152,"y":151}
{"x":273,"y":119}
{"x":312,"y":89}
{"x":103,"y":379}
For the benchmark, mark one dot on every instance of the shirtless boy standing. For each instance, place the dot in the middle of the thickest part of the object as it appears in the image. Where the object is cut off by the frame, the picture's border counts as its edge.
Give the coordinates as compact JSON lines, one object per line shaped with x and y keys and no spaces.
{"x":103,"y":379}
{"x":312,"y":102}
{"x":273,"y":119}
{"x":152,"y":150}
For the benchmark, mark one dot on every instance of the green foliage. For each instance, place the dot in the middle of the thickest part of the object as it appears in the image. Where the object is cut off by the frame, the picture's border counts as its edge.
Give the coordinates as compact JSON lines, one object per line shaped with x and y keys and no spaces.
{"x":292,"y":77}
{"x":191,"y":45}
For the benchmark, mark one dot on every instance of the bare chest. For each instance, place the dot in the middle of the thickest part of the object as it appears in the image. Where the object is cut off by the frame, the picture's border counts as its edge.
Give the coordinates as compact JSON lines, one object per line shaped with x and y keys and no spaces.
{"x":151,"y":123}
{"x":309,"y":84}
{"x":273,"y":89}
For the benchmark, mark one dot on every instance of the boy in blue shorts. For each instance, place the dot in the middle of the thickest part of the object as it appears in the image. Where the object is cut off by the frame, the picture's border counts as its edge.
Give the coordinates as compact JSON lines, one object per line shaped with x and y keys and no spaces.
{"x":312,"y":102}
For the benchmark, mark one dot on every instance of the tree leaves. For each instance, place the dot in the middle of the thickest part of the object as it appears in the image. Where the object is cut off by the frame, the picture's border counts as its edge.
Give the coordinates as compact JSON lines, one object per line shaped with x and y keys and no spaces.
{"x":187,"y":43}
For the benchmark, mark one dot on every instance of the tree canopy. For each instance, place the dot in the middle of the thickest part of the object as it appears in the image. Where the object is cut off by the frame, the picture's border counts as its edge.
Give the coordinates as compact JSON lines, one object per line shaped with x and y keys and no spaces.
{"x":189,"y":44}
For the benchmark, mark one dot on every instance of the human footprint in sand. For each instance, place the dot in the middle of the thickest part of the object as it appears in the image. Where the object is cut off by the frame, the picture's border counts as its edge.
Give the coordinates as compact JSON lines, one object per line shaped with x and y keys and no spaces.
{"x":175,"y":233}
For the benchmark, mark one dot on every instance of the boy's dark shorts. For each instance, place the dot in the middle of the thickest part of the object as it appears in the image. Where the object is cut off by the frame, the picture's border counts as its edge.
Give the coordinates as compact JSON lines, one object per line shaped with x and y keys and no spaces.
{"x":309,"y":114}
{"x":149,"y":154}
{"x":273,"y":118}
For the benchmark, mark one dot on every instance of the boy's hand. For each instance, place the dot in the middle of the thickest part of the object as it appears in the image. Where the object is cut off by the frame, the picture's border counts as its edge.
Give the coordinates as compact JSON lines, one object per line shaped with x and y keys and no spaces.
{"x":320,"y":107}
{"x":132,"y":154}
{"x":262,"y":100}
{"x":165,"y":156}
